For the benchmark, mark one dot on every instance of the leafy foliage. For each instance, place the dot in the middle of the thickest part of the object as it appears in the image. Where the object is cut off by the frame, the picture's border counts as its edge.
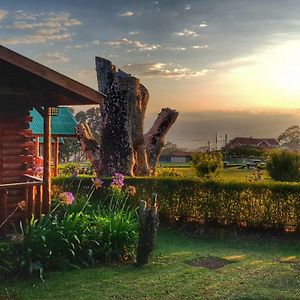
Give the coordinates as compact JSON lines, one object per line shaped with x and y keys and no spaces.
{"x":75,"y":235}
{"x":91,"y":117}
{"x":284,"y":166}
{"x":258,"y":204}
{"x":206,"y":164}
{"x":290,"y":135}
{"x":245,"y":151}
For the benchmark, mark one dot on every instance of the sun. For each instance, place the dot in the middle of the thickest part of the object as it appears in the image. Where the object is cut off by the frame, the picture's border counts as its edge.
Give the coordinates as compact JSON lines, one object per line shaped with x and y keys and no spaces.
{"x":282,"y":67}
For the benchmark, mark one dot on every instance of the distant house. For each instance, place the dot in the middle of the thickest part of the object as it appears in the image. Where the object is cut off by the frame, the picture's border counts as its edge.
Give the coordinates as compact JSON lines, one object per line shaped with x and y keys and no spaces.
{"x":263,"y":143}
{"x":181,"y":157}
{"x":290,"y":147}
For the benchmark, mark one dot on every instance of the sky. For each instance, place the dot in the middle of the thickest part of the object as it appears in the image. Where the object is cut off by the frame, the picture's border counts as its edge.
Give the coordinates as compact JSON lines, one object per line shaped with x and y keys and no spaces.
{"x":228,"y":66}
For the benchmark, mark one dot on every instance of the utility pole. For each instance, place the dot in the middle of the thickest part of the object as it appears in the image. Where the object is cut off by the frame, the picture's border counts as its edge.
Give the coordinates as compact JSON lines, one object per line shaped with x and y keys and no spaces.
{"x":216,"y":141}
{"x":208,"y":145}
{"x":226,"y":139}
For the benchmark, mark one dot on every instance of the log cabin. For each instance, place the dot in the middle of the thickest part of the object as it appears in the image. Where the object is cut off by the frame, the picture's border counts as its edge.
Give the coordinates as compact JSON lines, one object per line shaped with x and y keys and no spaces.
{"x":24,"y":85}
{"x":62,"y":126}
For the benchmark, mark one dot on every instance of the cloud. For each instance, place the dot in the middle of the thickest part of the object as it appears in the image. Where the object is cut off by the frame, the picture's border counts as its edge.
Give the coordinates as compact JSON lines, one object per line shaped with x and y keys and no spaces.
{"x":163,"y":70}
{"x":25,"y":15}
{"x":87,"y":77}
{"x":133,"y":32}
{"x":45,"y":28}
{"x":3,"y":14}
{"x":187,"y":33}
{"x":74,"y":46}
{"x":135,"y":45}
{"x":54,"y":57}
{"x":126,"y":14}
{"x":192,"y":127}
{"x":200,"y":47}
{"x":175,"y":48}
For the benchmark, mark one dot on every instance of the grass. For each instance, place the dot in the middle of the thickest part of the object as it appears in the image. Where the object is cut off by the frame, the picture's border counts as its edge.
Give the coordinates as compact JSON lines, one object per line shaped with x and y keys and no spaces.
{"x":260,"y":269}
{"x":229,"y":174}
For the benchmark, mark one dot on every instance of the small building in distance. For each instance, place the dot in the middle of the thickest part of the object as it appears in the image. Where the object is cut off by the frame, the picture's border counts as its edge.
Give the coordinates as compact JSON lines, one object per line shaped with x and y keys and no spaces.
{"x":178,"y":156}
{"x":262,"y":143}
{"x":290,"y":147}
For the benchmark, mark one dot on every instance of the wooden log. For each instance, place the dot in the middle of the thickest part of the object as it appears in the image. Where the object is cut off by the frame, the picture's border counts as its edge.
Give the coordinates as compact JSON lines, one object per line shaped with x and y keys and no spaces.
{"x":47,"y":163}
{"x":3,"y":211}
{"x":12,"y":152}
{"x":13,"y":145}
{"x":30,"y":203}
{"x":6,"y":179}
{"x":12,"y":173}
{"x":56,"y":151}
{"x":21,"y":132}
{"x":149,"y":223}
{"x":18,"y":159}
{"x":38,"y":202}
{"x":155,"y":137}
{"x":11,"y":166}
{"x":13,"y":139}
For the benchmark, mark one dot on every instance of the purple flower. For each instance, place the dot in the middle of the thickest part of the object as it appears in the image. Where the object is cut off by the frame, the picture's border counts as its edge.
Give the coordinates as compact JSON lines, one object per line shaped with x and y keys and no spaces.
{"x":67,"y":198}
{"x":118,"y":180}
{"x":97,"y":183}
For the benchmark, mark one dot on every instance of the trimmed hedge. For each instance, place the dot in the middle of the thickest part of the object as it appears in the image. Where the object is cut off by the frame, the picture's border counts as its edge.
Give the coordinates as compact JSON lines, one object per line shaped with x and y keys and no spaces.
{"x":261,"y":205}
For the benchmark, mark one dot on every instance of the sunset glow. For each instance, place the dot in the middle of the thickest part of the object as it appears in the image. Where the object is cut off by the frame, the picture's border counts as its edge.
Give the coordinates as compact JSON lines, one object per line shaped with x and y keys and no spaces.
{"x":194,"y":56}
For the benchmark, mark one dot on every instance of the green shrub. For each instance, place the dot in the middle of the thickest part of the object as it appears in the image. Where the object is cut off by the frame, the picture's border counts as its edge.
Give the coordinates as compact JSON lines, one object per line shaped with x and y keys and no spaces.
{"x":259,"y":204}
{"x":75,"y":235}
{"x":284,"y":166}
{"x":206,"y":164}
{"x":69,"y":169}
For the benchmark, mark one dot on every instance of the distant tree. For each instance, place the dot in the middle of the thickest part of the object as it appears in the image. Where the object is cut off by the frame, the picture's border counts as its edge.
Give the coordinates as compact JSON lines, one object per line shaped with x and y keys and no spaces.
{"x":290,"y":135}
{"x":284,"y":166}
{"x":207,"y":164}
{"x":69,"y":149}
{"x":169,"y":148}
{"x":245,"y":151}
{"x":92,"y":118}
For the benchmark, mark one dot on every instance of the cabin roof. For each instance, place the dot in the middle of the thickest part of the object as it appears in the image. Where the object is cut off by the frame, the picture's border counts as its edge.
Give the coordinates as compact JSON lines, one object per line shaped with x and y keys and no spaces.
{"x":22,"y":79}
{"x":62,"y":125}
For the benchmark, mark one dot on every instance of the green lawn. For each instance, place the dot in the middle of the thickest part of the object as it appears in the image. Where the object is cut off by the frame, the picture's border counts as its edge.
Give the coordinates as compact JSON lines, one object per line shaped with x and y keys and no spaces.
{"x":260,"y":269}
{"x":229,"y":174}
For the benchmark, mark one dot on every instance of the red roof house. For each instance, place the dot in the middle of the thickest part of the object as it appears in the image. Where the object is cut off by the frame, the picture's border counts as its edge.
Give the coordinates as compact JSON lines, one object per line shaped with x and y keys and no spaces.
{"x":263,"y":143}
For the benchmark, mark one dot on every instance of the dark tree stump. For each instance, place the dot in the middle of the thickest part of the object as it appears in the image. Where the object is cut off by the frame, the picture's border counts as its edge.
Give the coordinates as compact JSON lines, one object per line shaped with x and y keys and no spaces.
{"x":122,"y":147}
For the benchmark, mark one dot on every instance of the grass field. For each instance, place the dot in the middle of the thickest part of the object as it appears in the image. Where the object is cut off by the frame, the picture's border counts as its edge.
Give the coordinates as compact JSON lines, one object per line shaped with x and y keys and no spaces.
{"x":259,"y":268}
{"x":229,"y":174}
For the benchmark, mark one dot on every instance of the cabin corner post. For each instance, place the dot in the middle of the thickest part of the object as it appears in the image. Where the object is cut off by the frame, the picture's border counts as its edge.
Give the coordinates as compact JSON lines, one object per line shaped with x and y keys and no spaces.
{"x":56,"y":158}
{"x":47,"y":162}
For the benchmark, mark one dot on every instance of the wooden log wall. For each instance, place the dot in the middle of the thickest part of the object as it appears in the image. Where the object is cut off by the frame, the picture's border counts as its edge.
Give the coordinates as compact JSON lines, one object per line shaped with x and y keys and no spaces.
{"x":16,"y":155}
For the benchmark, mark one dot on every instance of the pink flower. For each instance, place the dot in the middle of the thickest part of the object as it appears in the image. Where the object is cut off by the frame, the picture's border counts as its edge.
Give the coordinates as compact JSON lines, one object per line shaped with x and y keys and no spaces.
{"x":118,"y":180}
{"x":67,"y":198}
{"x":97,"y":183}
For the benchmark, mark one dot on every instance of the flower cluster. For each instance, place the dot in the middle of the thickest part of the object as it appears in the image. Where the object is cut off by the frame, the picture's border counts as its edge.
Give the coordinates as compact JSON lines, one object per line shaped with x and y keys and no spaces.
{"x":97,"y":183}
{"x":130,"y":190}
{"x":67,"y":198}
{"x":22,"y":205}
{"x":118,"y":180}
{"x":38,"y":172}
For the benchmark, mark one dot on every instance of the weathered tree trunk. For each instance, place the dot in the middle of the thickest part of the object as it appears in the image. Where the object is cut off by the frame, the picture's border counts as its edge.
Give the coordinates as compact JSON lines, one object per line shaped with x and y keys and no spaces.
{"x":122,"y":146}
{"x":149,"y":224}
{"x":90,"y":147}
{"x":155,"y":137}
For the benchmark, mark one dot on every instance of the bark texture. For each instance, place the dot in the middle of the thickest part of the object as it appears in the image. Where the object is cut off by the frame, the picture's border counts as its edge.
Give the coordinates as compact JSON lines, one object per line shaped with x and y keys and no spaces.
{"x":122,"y":146}
{"x":155,"y":137}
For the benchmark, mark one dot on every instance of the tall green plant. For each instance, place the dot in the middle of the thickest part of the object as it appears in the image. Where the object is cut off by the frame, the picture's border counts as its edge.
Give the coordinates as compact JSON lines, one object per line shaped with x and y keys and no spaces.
{"x":206,"y":164}
{"x":284,"y":166}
